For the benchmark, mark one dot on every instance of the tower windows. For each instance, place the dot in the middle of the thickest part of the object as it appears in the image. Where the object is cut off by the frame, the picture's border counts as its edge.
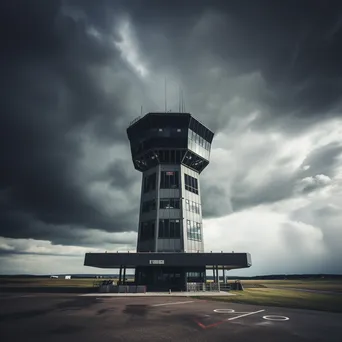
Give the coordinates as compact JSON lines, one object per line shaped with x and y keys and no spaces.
{"x":191,"y":184}
{"x":169,"y":203}
{"x":169,"y":229}
{"x":147,"y":230}
{"x":148,"y":206}
{"x":150,"y":183}
{"x":169,"y":180}
{"x":193,"y":230}
{"x":192,"y":206}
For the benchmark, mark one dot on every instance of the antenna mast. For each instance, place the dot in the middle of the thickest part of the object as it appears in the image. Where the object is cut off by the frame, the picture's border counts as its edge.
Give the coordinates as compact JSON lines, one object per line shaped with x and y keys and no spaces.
{"x":182,"y":101}
{"x":165,"y":96}
{"x":179,"y":98}
{"x":184,"y":105}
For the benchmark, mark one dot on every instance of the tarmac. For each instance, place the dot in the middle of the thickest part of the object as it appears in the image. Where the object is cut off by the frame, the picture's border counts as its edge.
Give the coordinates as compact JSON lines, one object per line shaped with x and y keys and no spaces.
{"x":161,"y":294}
{"x":73,"y":317}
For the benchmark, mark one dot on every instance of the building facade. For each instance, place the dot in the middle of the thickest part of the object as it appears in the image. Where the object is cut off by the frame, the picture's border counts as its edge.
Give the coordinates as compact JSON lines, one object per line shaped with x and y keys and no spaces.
{"x":171,"y":150}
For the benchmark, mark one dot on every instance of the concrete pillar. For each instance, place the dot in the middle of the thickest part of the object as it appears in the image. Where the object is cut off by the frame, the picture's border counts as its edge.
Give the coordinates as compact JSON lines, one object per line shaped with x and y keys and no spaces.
{"x":124,"y":275}
{"x":120,"y":273}
{"x":218,"y":277}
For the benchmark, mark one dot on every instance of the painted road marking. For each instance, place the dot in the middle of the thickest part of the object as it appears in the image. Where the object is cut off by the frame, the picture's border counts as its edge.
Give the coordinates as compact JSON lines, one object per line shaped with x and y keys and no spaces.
{"x":174,"y":303}
{"x":247,"y":314}
{"x":276,"y":318}
{"x":226,"y":311}
{"x":241,"y":314}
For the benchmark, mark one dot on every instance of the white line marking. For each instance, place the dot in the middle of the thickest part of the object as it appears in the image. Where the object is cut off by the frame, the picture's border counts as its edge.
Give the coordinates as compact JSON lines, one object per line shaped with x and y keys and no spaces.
{"x":247,"y":314}
{"x":174,"y":303}
{"x":276,"y":318}
{"x":226,"y":311}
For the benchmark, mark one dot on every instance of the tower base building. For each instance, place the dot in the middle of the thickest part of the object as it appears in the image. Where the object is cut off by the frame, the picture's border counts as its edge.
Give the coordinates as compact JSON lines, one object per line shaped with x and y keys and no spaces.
{"x":170,"y":150}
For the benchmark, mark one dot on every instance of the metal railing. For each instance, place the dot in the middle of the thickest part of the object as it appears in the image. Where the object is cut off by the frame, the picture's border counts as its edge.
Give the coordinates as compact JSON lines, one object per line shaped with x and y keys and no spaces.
{"x":210,"y":287}
{"x":135,"y":120}
{"x":122,"y":289}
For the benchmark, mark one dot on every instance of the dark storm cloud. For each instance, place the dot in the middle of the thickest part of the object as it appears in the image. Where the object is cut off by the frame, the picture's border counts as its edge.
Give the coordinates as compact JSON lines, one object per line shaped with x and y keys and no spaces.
{"x":295,"y":46}
{"x":4,"y":253}
{"x":49,"y":92}
{"x":216,"y":201}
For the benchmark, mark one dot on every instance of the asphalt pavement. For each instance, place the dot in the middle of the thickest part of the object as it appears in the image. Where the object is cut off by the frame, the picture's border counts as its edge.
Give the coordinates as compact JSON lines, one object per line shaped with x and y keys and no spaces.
{"x":70,"y":317}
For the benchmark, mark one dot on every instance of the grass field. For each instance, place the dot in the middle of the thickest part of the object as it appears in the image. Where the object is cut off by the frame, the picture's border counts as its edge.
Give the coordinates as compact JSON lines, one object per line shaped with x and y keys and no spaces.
{"x":46,"y":282}
{"x":321,"y":284}
{"x":258,"y":292}
{"x":284,"y":298}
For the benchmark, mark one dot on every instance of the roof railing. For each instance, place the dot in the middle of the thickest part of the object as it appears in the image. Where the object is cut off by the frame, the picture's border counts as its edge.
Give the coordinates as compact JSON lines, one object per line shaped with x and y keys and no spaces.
{"x":135,"y":120}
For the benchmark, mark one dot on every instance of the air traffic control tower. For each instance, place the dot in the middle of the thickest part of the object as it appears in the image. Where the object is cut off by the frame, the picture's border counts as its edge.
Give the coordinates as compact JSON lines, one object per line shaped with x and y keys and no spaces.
{"x":170,"y":150}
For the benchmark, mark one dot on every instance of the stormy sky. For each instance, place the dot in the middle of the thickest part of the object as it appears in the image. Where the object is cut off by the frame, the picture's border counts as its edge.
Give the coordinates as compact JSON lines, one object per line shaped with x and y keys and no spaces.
{"x":266,"y":76}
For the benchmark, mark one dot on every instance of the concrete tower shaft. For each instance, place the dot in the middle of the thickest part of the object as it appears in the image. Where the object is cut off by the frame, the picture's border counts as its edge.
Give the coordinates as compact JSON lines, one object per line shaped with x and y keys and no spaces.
{"x":171,"y":150}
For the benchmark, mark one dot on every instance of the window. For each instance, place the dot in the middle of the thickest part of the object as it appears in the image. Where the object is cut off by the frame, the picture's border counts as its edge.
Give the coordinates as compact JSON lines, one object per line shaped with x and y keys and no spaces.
{"x":191,"y":184}
{"x":194,"y":230}
{"x":169,"y":203}
{"x":148,"y":206}
{"x":195,"y":208}
{"x":169,"y":229}
{"x":169,"y":180}
{"x":147,"y":230}
{"x":150,"y":183}
{"x":198,"y":139}
{"x":192,"y":206}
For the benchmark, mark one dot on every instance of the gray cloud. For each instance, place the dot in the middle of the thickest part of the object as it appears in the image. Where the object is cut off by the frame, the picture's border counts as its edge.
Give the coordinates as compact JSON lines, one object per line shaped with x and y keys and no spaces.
{"x":51,"y":91}
{"x":299,"y":66}
{"x":323,"y":160}
{"x":68,"y":95}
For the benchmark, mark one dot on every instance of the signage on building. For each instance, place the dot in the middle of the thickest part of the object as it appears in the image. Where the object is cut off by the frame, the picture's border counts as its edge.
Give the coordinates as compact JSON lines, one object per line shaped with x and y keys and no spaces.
{"x":169,"y":173}
{"x":156,"y":262}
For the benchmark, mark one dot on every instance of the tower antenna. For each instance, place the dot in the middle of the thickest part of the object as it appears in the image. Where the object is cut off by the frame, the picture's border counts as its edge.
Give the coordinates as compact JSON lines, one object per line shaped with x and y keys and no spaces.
{"x":182,"y":102}
{"x":179,"y":97}
{"x":184,"y":105}
{"x":165,"y":97}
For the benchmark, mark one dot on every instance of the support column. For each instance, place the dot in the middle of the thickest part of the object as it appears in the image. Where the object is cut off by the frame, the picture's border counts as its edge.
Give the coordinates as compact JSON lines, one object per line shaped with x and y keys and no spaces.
{"x":224,"y":275}
{"x":124,"y":275}
{"x":120,"y":273}
{"x":218,"y":277}
{"x":214,"y":274}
